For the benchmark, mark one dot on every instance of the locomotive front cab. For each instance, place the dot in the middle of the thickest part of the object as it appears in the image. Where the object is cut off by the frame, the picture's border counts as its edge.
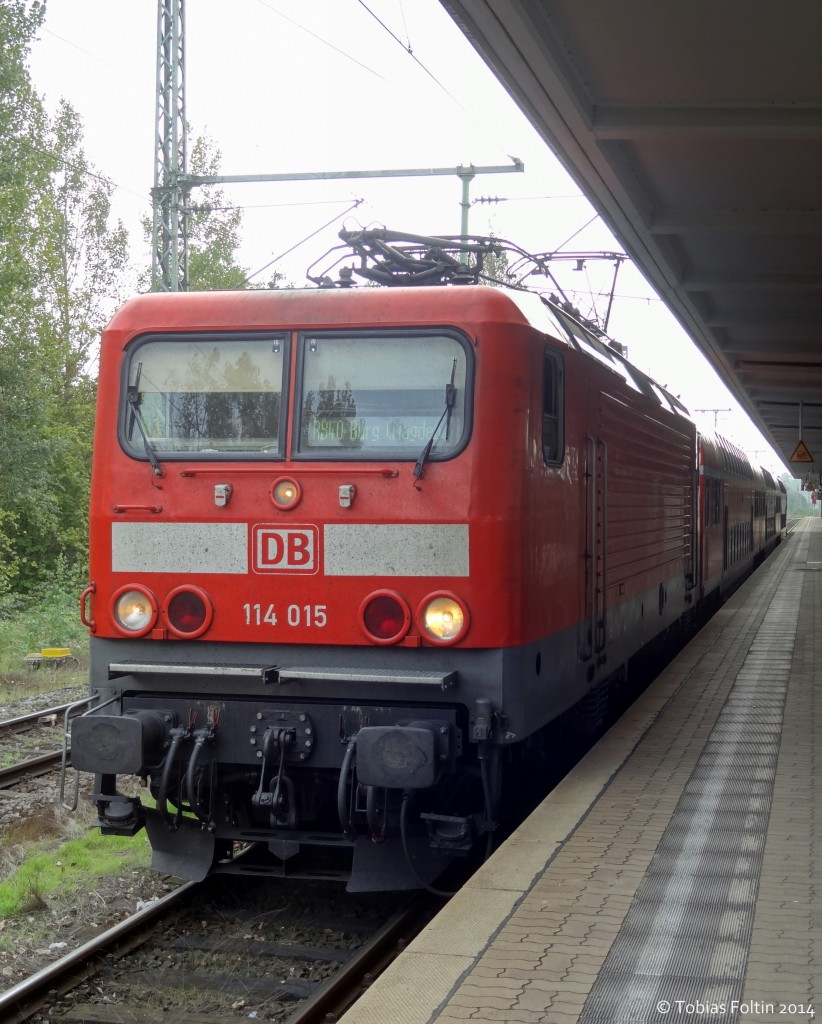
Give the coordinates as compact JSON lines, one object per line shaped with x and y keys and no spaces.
{"x":290,"y":646}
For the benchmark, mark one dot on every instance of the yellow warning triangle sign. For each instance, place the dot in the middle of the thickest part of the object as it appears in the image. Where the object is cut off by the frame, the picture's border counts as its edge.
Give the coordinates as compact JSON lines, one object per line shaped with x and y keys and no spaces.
{"x":801,"y":454}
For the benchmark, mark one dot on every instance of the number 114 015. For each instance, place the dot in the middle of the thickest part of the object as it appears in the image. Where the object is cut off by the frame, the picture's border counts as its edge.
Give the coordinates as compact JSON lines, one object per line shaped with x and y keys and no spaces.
{"x":311,"y":615}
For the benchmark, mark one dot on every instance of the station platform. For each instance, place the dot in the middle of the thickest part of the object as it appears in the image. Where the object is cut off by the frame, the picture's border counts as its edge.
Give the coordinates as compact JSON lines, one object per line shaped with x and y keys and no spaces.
{"x":676,"y":873}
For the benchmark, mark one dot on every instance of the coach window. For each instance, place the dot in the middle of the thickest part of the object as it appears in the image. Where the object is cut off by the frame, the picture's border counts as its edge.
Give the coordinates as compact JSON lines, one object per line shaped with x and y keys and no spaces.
{"x":552,"y":408}
{"x":205,"y":396}
{"x":384,"y":395}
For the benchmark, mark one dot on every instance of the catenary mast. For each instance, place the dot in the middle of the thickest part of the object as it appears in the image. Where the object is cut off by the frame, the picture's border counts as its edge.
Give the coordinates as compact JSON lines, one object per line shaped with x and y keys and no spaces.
{"x":169,"y":242}
{"x":173,"y":183}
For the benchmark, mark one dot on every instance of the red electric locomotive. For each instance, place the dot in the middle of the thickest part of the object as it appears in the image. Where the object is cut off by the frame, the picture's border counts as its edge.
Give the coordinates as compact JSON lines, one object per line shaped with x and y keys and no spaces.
{"x":351,"y":549}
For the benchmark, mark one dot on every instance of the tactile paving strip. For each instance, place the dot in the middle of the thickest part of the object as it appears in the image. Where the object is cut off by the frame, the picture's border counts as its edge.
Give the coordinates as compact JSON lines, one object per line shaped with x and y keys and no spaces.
{"x":525,"y":941}
{"x":688,"y":929}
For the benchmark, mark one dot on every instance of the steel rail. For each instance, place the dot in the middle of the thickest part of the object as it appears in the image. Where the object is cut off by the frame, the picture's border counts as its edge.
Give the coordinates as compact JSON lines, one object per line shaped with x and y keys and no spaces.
{"x":34,"y":766}
{"x":18,"y":1003}
{"x":22,"y":721}
{"x":348,"y":983}
{"x":336,"y":995}
{"x":43,"y":763}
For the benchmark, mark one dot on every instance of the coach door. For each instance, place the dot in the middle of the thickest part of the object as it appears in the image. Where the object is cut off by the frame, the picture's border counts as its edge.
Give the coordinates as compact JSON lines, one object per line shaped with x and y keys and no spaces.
{"x":596,"y":551}
{"x":692,"y":561}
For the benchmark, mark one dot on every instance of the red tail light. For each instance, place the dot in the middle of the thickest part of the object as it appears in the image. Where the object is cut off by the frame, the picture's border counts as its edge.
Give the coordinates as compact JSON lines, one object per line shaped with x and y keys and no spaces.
{"x":188,"y":612}
{"x":385,"y":617}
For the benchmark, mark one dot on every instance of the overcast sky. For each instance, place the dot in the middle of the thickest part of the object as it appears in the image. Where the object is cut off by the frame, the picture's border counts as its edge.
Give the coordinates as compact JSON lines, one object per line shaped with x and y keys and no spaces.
{"x":289,"y":86}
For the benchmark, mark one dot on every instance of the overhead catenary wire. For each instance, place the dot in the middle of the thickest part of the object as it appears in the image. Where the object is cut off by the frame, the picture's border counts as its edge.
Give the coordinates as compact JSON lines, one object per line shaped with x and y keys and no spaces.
{"x":526,"y":199}
{"x":273,"y":9}
{"x":88,"y":53}
{"x":577,"y":232}
{"x":404,"y":22}
{"x":62,"y":165}
{"x":409,"y":50}
{"x":296,"y":245}
{"x":647,"y":299}
{"x":407,"y":46}
{"x":320,"y":39}
{"x":212,"y":207}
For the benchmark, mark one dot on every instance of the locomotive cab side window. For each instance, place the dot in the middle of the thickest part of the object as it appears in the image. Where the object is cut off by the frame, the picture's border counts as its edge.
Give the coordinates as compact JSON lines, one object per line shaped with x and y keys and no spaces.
{"x":383,"y":395}
{"x":552,"y":408}
{"x":205,"y":396}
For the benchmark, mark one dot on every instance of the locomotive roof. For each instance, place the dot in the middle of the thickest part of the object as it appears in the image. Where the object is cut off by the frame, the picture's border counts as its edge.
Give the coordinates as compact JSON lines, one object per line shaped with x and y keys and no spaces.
{"x":164,"y":311}
{"x":340,"y":307}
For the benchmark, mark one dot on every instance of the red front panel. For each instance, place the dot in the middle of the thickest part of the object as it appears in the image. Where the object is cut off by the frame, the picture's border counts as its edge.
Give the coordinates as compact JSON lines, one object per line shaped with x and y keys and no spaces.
{"x":360,"y":526}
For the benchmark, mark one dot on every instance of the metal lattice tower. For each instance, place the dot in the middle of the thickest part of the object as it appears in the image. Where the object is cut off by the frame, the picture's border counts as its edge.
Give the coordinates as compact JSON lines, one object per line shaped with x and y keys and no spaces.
{"x":173,"y":183}
{"x":169,"y":260}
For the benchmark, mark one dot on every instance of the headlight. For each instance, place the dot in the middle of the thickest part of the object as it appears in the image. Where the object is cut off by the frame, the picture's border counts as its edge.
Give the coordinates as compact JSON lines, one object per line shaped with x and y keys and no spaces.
{"x":443,"y":618}
{"x":134,"y":610}
{"x":385,"y":617}
{"x":286,"y":493}
{"x":188,"y":612}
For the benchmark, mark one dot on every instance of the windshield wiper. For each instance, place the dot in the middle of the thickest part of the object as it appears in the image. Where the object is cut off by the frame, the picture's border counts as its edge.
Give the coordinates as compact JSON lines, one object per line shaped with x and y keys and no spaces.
{"x":133,"y":396}
{"x":450,"y":397}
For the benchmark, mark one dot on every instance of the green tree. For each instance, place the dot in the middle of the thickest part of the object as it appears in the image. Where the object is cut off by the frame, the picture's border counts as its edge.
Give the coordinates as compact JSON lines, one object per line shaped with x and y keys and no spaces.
{"x":81,"y":276}
{"x":88,"y":259}
{"x":213,"y":228}
{"x":495,"y":268}
{"x":25,"y":166}
{"x":60,"y":265}
{"x":799,"y":500}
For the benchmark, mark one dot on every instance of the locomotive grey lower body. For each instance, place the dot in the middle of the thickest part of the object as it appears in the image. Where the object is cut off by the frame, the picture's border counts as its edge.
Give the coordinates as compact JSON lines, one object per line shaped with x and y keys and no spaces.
{"x":381,"y":772}
{"x":379,"y":765}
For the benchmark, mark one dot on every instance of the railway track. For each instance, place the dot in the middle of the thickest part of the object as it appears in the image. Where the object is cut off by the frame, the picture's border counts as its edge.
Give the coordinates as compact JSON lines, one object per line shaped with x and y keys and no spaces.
{"x":25,"y":723}
{"x":29,"y":768}
{"x":23,"y":1000}
{"x":24,"y":737}
{"x":170,"y":959}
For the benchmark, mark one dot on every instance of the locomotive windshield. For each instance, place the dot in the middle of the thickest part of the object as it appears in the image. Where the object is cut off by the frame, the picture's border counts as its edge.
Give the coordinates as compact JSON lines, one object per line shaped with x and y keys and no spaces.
{"x":361,"y":396}
{"x":367,"y":396}
{"x":206,"y":394}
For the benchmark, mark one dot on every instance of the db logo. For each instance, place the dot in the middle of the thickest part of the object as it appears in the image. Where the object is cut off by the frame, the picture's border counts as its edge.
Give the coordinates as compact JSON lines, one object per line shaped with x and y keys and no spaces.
{"x":286,"y":549}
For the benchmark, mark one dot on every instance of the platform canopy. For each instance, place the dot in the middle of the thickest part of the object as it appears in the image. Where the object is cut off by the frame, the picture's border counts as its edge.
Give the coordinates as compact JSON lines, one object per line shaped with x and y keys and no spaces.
{"x":695,"y":129}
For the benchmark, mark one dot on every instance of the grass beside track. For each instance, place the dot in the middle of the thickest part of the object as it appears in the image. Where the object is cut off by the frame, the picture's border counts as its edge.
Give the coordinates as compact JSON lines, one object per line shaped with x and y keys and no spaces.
{"x":39,"y":855}
{"x":20,"y":684}
{"x":49,"y":618}
{"x":69,"y":867}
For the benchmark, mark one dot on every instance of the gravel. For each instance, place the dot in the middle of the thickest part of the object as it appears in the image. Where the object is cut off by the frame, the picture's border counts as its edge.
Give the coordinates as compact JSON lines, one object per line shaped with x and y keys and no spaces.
{"x":254,"y":911}
{"x":41,"y":701}
{"x":54,"y":924}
